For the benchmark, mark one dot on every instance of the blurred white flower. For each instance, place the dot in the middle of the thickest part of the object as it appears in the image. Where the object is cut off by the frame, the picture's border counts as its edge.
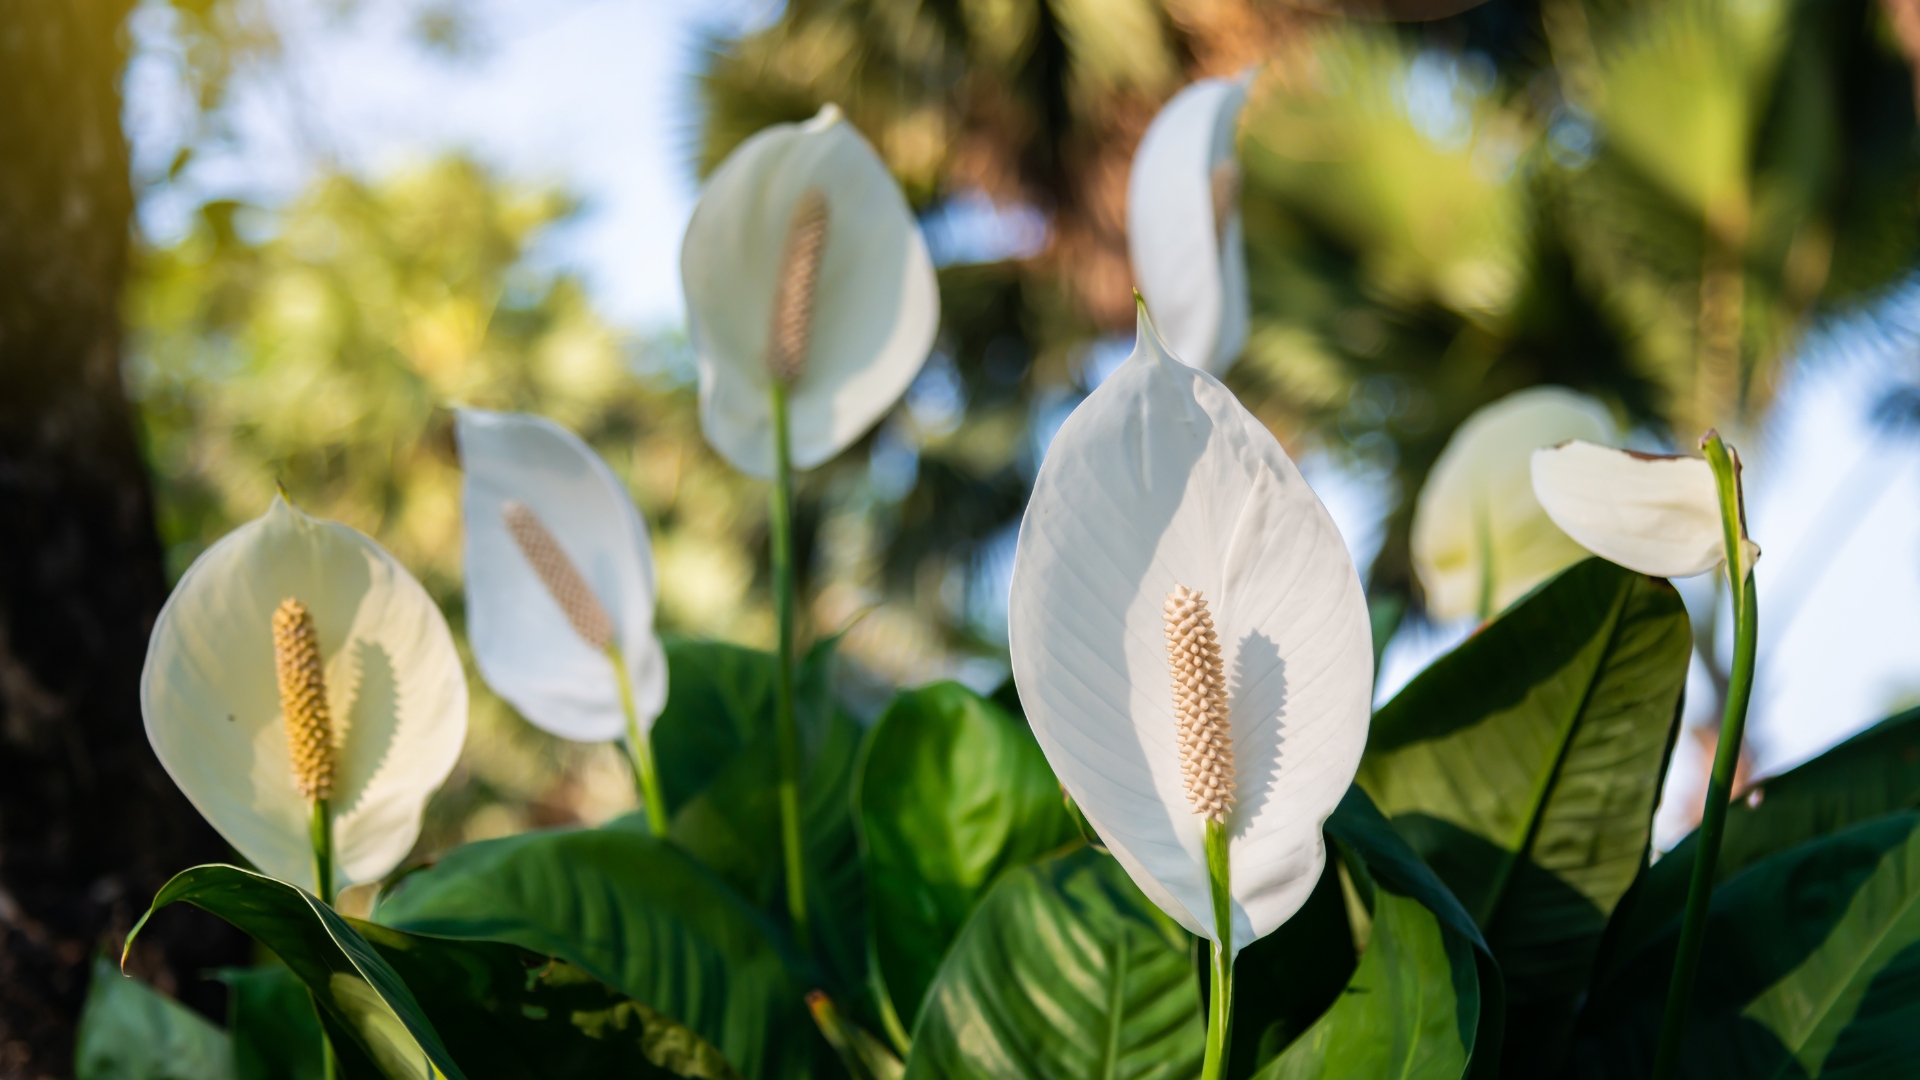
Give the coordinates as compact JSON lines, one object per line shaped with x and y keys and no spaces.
{"x":392,"y":721}
{"x":1480,"y":537}
{"x":1183,"y":223}
{"x":1657,"y":514}
{"x":1159,"y":485}
{"x":803,"y":226}
{"x":560,"y":583}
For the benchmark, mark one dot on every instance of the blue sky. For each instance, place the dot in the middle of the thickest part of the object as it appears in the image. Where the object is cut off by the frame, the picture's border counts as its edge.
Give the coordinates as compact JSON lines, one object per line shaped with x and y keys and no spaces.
{"x":597,"y":95}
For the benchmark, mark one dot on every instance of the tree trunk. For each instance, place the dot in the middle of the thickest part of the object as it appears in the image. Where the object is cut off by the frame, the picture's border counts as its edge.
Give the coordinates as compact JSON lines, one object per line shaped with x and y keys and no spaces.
{"x":90,"y":825}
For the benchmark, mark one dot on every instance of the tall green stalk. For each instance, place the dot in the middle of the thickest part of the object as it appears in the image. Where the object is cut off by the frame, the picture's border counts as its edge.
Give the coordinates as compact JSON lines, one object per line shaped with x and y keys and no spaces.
{"x":320,"y":833}
{"x":1220,"y":986}
{"x":646,"y":778}
{"x":1726,"y":757}
{"x":780,"y":528}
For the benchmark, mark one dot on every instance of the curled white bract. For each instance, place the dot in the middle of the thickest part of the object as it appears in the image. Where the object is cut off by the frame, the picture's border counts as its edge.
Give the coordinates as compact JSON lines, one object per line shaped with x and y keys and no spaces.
{"x":1184,"y":236}
{"x":523,"y":642}
{"x":1478,"y":530}
{"x":395,"y":691}
{"x":1160,"y":479}
{"x":875,"y":304}
{"x":1656,"y":514}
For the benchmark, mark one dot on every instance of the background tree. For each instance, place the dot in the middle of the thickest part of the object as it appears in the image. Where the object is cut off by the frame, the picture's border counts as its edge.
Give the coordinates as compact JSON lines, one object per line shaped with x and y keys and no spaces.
{"x":90,"y":825}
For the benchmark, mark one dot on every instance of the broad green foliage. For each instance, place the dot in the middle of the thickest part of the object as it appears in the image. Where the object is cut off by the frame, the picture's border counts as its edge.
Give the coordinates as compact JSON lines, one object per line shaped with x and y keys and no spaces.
{"x":400,"y":1005}
{"x":1876,"y":772}
{"x":638,"y":914}
{"x":1525,"y":767}
{"x":1065,"y":971}
{"x":1810,"y":969}
{"x":953,"y":792}
{"x":1425,"y":1000}
{"x":130,"y":1031}
{"x":276,"y":1035}
{"x":719,"y":768}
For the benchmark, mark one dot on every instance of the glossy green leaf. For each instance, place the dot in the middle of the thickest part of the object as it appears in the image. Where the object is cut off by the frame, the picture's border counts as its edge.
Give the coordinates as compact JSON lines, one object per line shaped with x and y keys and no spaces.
{"x":1425,"y":999}
{"x":395,"y":1002}
{"x":719,"y":769}
{"x":640,"y":915}
{"x":130,"y":1031}
{"x":952,"y":793}
{"x":1811,"y":969}
{"x":1876,"y":772}
{"x":276,"y":1035}
{"x":355,"y":988}
{"x":1525,"y":767}
{"x":1064,"y":971}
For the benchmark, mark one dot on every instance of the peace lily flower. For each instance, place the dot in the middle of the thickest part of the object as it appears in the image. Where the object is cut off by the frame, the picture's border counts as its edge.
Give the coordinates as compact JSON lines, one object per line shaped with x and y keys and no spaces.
{"x":1480,"y":537}
{"x":303,"y":691}
{"x":803,"y":267}
{"x":560,"y":587}
{"x":1191,"y":642}
{"x":1671,"y":516}
{"x":1183,"y":223}
{"x":1659,"y":514}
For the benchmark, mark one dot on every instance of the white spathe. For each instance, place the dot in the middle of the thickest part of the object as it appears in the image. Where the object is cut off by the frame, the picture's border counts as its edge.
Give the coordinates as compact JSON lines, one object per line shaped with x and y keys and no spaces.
{"x":876,"y":306}
{"x":1189,"y":266}
{"x":395,"y":689}
{"x":1161,"y":477}
{"x":1656,"y":514}
{"x":525,"y":647}
{"x":1477,"y":514}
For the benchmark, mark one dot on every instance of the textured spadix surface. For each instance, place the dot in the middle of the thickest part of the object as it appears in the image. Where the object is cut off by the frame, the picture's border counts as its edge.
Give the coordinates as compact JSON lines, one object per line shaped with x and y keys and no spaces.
{"x":1162,"y":477}
{"x":1477,"y":515}
{"x":527,"y":649}
{"x":1656,"y":514}
{"x":875,"y":304}
{"x":395,"y":691}
{"x":1184,"y":236}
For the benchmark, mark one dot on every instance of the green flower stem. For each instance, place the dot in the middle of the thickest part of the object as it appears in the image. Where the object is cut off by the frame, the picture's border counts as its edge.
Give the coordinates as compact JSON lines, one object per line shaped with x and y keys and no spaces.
{"x":320,"y":831}
{"x":780,"y":528}
{"x":1220,"y":987}
{"x":639,"y":749}
{"x":1726,"y":758}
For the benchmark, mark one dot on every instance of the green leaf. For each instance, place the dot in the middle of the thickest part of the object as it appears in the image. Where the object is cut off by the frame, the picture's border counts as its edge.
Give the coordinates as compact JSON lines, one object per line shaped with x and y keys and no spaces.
{"x":130,"y":1031}
{"x":719,"y":767}
{"x":1425,"y":999}
{"x":953,"y":792}
{"x":1811,"y":968}
{"x":392,"y":1002}
{"x":276,"y":1035}
{"x":637,"y":913}
{"x":357,"y":991}
{"x":1064,"y":971}
{"x":1525,"y":767}
{"x":1874,"y":773}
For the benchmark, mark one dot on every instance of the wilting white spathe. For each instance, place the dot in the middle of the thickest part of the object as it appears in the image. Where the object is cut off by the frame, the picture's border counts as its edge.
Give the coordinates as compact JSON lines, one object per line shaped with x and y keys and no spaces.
{"x":1184,"y":236}
{"x":523,"y":642}
{"x":1162,"y":478}
{"x":875,"y":305}
{"x":395,"y":690}
{"x":1478,"y":529}
{"x":1657,"y":514}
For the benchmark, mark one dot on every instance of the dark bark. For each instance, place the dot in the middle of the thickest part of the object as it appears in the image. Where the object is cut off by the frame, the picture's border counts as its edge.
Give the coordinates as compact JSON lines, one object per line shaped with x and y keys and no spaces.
{"x":90,"y":825}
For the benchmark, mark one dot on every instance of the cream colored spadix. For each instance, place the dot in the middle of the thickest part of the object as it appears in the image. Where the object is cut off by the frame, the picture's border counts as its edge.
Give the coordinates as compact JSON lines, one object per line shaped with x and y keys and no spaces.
{"x":559,"y":571}
{"x":396,"y":700}
{"x":1184,"y":236}
{"x":1656,"y":514}
{"x":1480,"y":537}
{"x":1161,"y":485}
{"x":867,"y":307}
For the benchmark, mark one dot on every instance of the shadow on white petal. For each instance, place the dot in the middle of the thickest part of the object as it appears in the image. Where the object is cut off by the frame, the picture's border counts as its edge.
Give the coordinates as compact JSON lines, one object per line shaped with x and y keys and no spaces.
{"x":366,"y":737}
{"x":1257,"y":696}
